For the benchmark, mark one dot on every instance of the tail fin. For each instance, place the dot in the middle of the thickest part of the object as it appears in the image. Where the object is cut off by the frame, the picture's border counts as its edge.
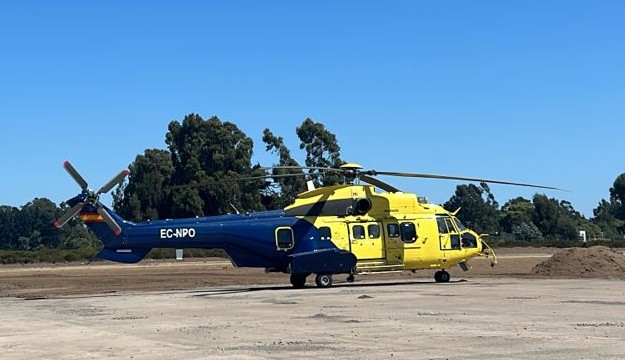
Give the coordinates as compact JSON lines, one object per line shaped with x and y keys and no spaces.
{"x":116,"y":247}
{"x":100,"y":228}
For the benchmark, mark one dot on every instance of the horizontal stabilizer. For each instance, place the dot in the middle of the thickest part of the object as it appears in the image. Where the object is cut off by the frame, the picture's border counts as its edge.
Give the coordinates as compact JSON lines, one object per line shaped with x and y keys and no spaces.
{"x":128,"y":256}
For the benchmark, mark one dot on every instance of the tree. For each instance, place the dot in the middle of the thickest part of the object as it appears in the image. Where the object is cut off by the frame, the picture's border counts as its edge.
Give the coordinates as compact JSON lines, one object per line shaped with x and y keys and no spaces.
{"x":558,"y":219}
{"x":545,"y":214}
{"x":479,"y":210}
{"x":527,"y":232}
{"x":147,"y":194}
{"x":516,"y":211}
{"x":30,"y":227}
{"x":9,"y":229}
{"x":199,"y":175}
{"x":605,"y":219}
{"x":289,"y":186}
{"x":617,"y":192}
{"x":214,"y":155}
{"x":322,"y":149}
{"x":75,"y":235}
{"x":517,"y":220}
{"x":35,"y":223}
{"x":610,"y":215}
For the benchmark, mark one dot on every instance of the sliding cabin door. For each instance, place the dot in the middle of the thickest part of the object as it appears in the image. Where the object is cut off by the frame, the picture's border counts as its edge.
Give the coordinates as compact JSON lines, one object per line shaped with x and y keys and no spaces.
{"x":366,"y":240}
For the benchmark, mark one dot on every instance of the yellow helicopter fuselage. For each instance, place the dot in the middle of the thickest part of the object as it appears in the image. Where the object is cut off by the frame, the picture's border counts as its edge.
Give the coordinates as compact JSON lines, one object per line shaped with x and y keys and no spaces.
{"x":387,"y":231}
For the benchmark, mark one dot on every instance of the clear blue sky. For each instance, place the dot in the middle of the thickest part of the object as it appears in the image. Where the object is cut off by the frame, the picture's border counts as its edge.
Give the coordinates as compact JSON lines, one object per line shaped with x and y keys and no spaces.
{"x":529,"y":91}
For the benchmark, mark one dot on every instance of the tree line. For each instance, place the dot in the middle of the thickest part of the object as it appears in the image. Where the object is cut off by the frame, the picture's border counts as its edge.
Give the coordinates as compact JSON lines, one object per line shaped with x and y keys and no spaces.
{"x":206,"y":169}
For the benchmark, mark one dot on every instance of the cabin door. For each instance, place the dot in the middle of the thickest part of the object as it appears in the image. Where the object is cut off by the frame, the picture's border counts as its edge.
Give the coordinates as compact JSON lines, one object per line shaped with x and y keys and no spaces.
{"x":366,"y":240}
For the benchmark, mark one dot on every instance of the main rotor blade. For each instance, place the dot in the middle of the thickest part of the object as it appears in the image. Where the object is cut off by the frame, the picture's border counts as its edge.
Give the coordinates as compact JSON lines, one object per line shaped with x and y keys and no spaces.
{"x":75,"y":175}
{"x":379,"y":183}
{"x":68,"y":215}
{"x":446,"y":177}
{"x":114,"y":181}
{"x":109,"y":220}
{"x":294,"y":167}
{"x":240,"y":179}
{"x":276,"y":176}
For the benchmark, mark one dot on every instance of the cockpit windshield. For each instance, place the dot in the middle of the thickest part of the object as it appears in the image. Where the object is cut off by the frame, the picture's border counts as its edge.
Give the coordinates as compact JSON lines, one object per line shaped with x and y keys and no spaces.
{"x":459,"y":225}
{"x":446,"y":225}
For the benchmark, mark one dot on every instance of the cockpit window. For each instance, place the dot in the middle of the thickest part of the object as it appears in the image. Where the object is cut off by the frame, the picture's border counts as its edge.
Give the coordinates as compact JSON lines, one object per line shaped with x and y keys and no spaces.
{"x":459,"y":225}
{"x":468,"y":240}
{"x":442,"y":227}
{"x":446,"y":225}
{"x":450,"y":225}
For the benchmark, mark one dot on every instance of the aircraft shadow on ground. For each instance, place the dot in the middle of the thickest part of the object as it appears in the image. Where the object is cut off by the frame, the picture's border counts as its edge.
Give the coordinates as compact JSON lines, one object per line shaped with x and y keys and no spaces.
{"x":310,"y":287}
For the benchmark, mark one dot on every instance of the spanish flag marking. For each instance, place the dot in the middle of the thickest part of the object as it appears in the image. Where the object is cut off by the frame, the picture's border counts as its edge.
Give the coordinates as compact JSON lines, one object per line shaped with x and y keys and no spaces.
{"x":90,"y":217}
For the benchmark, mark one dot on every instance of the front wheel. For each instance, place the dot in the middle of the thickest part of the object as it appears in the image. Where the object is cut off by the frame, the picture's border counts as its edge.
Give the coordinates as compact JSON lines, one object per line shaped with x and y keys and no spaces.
{"x":441,"y":276}
{"x":323,"y":280}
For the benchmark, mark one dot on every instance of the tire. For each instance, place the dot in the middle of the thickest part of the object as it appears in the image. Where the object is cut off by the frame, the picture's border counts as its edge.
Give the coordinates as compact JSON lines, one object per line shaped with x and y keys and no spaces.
{"x":441,"y":276}
{"x":323,"y":280}
{"x":298,"y":280}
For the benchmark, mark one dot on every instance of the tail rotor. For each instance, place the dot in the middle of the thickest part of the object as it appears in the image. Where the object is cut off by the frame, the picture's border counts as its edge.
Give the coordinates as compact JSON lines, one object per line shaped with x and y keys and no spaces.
{"x":90,"y":197}
{"x":75,"y":175}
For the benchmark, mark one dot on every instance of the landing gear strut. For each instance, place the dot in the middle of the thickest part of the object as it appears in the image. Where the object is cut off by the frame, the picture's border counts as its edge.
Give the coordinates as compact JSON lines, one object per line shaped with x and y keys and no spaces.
{"x":441,"y":276}
{"x":298,"y":280}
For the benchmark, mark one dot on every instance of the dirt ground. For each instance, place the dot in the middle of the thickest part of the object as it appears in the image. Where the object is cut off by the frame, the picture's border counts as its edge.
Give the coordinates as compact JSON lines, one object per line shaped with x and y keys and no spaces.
{"x":39,"y":281}
{"x":208,"y":310}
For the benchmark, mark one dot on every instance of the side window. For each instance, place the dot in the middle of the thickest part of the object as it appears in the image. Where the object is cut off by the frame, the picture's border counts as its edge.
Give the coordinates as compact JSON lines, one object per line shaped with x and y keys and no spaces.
{"x":358,"y":231}
{"x":374,"y":231}
{"x":393,"y":230}
{"x":468,"y":240}
{"x":325,"y":233}
{"x":455,"y":241}
{"x":442,"y":227}
{"x":284,"y":238}
{"x":408,"y":232}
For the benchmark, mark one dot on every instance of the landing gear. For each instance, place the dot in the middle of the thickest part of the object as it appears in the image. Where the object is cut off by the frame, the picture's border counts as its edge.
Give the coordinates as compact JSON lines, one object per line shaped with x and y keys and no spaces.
{"x":441,"y":276}
{"x":350,"y":278}
{"x":298,"y":280}
{"x":323,"y":280}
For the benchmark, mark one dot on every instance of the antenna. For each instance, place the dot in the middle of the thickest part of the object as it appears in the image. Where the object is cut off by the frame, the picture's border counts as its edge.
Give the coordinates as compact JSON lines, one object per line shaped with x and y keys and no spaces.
{"x":235,"y":208}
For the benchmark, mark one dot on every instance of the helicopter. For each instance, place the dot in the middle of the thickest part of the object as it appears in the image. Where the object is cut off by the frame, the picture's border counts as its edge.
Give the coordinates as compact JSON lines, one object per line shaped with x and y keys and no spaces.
{"x":362,"y":225}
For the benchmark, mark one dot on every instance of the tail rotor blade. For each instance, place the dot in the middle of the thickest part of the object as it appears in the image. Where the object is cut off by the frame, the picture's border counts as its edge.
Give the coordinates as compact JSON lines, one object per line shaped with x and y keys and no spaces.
{"x":75,"y":175}
{"x":68,"y":215}
{"x":114,"y":181}
{"x":109,"y":220}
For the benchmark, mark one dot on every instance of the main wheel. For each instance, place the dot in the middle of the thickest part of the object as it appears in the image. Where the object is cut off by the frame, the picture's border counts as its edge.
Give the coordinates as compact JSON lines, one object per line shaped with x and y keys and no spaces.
{"x":441,"y":276}
{"x":298,"y":280}
{"x":323,"y":280}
